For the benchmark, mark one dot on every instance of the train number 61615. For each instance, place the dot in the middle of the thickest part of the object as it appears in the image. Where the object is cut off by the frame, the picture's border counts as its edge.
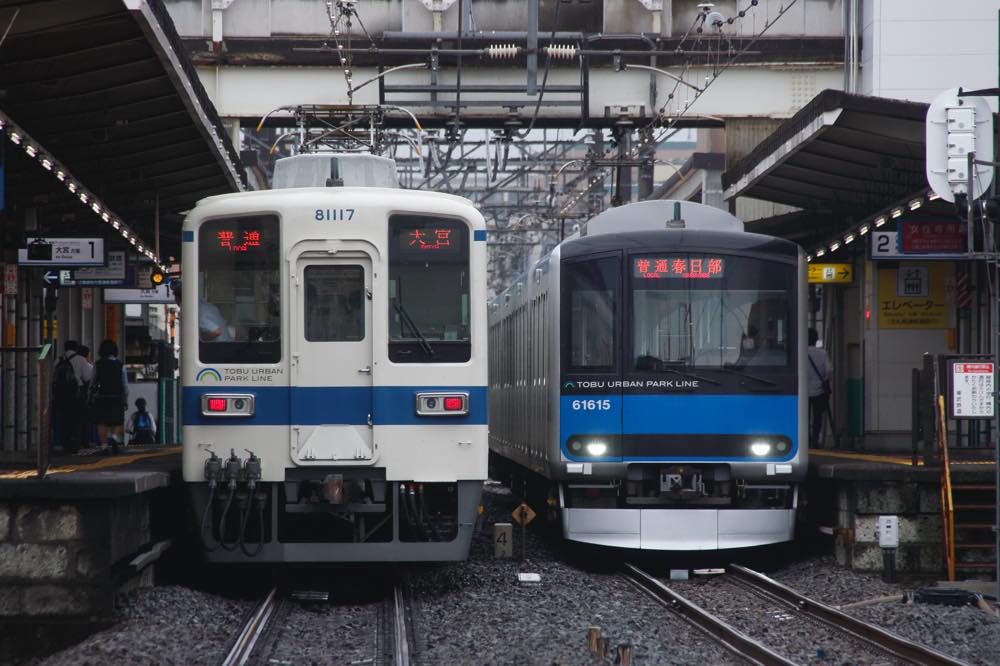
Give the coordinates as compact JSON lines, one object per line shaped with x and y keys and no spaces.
{"x":591,"y":405}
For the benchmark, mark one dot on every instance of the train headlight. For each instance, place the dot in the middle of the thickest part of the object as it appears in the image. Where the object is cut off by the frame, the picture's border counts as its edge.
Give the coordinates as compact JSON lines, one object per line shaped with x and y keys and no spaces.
{"x":596,"y":449}
{"x":760,"y":447}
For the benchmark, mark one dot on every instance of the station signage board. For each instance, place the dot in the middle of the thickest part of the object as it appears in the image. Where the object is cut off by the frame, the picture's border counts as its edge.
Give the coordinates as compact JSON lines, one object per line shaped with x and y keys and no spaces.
{"x":886,"y":246}
{"x":830,"y":273}
{"x":971,"y":384}
{"x":68,"y":252}
{"x":932,"y":237}
{"x":112,"y":275}
{"x":161,"y":294}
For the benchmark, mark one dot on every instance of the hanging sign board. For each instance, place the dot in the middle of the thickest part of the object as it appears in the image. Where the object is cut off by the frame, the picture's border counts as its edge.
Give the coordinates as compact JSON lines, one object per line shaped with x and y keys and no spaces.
{"x":971,"y":387}
{"x":830,"y":273}
{"x":931,"y":237}
{"x":112,"y":275}
{"x":42,"y":251}
{"x":887,"y":245}
{"x":161,"y":294}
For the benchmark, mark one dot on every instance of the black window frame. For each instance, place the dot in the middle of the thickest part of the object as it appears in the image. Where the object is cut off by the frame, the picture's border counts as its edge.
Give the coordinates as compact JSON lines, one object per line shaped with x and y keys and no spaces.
{"x":784,"y":375}
{"x":444,"y":351}
{"x":267,"y":352}
{"x":307,"y":309}
{"x":566,"y":317}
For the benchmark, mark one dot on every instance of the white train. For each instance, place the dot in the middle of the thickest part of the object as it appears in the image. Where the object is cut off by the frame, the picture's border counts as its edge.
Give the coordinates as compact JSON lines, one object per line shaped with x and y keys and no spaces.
{"x":334,"y":368}
{"x":648,"y":378}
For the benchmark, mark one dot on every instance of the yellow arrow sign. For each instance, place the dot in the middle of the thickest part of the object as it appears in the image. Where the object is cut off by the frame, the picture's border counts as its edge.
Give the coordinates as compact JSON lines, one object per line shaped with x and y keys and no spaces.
{"x":830,"y":274}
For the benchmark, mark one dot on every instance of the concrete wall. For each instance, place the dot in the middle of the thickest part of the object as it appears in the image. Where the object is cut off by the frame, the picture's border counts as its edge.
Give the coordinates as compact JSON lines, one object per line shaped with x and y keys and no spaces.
{"x":57,"y":559}
{"x":918,"y":505}
{"x":914,"y":49}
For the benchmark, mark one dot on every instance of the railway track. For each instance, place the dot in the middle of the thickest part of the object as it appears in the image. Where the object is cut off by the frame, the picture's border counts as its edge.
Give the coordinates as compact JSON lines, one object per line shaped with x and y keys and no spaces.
{"x":385,"y":636}
{"x":770,"y":604}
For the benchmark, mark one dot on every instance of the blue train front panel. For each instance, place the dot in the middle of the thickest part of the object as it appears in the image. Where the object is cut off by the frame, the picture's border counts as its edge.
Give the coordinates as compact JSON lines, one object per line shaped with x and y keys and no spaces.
{"x":681,"y":397}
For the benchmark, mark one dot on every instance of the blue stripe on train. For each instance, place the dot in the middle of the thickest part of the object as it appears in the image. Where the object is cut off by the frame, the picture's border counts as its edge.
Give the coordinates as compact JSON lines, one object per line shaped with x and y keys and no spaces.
{"x":685,"y":414}
{"x":316,"y":405}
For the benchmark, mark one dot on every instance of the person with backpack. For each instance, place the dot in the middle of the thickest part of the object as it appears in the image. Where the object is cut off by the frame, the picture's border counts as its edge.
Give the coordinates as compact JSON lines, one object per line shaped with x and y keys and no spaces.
{"x":141,"y":425}
{"x":109,"y":395}
{"x":85,"y":369}
{"x":818,"y":384}
{"x":69,"y":377}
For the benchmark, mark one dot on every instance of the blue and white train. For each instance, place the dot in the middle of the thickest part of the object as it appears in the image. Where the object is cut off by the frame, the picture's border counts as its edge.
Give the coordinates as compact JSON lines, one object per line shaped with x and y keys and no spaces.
{"x":649,"y":373}
{"x":334,"y":368}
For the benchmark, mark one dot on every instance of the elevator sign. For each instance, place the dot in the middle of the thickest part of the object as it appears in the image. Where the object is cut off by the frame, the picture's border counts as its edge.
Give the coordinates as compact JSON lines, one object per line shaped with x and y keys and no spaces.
{"x":972,"y":390}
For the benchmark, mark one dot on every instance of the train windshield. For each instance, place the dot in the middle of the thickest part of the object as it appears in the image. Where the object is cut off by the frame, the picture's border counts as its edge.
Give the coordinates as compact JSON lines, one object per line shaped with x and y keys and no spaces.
{"x":428,"y":290}
{"x":710,"y":311}
{"x":239,"y":309}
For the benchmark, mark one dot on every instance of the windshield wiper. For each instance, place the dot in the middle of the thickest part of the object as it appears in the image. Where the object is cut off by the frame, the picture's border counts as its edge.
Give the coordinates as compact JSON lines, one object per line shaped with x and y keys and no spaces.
{"x":424,"y":345}
{"x":663,"y":367}
{"x":741,"y":371}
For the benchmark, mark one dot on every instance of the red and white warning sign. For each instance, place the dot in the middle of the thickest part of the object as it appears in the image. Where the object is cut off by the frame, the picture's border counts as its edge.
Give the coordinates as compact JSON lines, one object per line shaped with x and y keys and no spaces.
{"x":10,"y":279}
{"x":87,"y":298}
{"x":972,"y":390}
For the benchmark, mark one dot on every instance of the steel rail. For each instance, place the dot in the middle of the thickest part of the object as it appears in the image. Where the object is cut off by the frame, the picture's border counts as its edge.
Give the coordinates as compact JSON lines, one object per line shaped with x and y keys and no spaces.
{"x":726,"y":635}
{"x":869,"y":633}
{"x":401,"y":644}
{"x":252,"y":630}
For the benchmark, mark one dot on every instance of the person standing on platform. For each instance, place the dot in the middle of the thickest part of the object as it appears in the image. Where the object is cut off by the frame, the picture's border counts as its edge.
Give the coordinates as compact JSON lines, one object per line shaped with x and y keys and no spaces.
{"x":67,"y":400}
{"x":109,"y":395}
{"x":88,"y":431}
{"x":818,"y":375}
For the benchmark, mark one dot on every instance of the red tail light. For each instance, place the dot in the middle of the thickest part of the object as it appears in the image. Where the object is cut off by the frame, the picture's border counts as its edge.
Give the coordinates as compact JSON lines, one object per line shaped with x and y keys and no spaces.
{"x":452,"y":404}
{"x":216,"y":404}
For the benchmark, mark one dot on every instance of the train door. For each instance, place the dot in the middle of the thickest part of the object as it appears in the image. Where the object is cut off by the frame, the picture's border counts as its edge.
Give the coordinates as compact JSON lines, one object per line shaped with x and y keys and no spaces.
{"x":331,"y":333}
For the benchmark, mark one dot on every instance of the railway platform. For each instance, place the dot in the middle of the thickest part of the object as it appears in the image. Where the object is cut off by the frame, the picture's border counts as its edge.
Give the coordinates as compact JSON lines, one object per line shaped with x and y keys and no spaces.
{"x":946,"y":522}
{"x":72,"y":540}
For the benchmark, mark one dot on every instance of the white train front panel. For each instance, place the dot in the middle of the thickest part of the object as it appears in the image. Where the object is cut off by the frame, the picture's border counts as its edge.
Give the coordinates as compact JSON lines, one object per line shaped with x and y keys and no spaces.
{"x":335,"y":365}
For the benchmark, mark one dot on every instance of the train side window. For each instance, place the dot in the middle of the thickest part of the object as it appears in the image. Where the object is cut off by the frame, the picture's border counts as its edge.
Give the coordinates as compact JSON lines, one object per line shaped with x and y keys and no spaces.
{"x":239,"y":290}
{"x":590,"y":297}
{"x":428,"y":290}
{"x":335,"y":303}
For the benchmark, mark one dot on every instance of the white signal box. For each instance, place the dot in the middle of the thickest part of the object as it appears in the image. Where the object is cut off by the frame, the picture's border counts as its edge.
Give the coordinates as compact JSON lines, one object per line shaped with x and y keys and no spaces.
{"x":888,"y":531}
{"x":957,"y":126}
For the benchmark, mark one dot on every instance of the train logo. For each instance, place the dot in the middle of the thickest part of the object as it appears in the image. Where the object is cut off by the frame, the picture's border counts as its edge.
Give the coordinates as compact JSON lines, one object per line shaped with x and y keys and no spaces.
{"x":210,"y":373}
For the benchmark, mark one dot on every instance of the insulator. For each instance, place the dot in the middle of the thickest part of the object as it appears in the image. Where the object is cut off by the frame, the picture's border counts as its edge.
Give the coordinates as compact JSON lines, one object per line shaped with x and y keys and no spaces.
{"x":560,"y":51}
{"x":502,"y":51}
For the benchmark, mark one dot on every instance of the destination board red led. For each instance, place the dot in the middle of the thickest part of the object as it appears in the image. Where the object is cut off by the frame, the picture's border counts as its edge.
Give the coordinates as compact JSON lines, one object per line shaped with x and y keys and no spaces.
{"x":238,"y":241}
{"x":429,"y":239}
{"x":683,"y":267}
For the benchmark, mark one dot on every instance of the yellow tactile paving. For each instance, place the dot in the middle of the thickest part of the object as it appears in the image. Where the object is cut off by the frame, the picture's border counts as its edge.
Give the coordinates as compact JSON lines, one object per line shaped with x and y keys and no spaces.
{"x":868,"y":457}
{"x":904,"y":460}
{"x":102,"y":463}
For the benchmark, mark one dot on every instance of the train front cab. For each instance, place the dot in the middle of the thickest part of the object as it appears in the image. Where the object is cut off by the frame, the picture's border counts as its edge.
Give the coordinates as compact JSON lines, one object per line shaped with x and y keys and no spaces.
{"x":345,"y":398}
{"x":683,"y":412}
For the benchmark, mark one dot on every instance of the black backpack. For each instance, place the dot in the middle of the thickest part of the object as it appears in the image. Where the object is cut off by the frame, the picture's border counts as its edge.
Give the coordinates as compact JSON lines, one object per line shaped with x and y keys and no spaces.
{"x":108,"y":378}
{"x":65,"y":387}
{"x":144,"y":433}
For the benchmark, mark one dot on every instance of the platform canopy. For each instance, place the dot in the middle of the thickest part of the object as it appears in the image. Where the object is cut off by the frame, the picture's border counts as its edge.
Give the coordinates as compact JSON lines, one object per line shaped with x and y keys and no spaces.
{"x":839,"y":153}
{"x":105,"y":88}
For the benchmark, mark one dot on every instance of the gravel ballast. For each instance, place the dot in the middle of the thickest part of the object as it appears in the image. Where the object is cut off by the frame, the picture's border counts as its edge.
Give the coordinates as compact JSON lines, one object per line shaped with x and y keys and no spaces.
{"x":963,"y":632}
{"x":162,"y":625}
